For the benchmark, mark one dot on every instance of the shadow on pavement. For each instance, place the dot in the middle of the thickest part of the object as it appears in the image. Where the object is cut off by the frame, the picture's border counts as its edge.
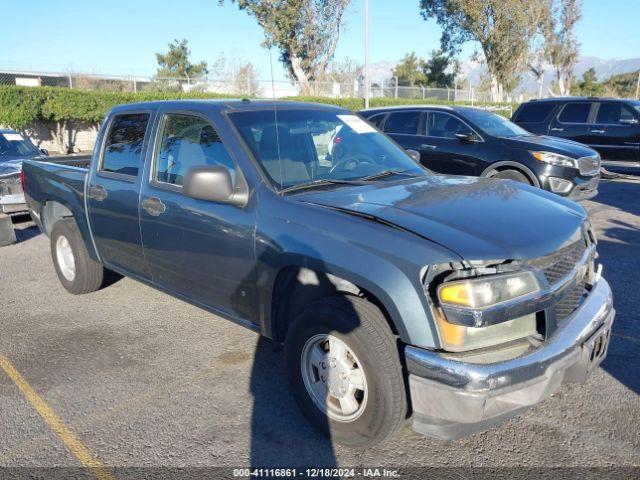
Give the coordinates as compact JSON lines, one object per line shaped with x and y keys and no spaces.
{"x":619,"y":249}
{"x":24,"y":228}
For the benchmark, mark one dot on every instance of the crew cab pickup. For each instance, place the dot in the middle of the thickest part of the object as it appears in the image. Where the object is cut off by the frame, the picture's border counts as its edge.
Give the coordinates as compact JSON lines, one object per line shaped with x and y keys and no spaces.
{"x":456,"y":302}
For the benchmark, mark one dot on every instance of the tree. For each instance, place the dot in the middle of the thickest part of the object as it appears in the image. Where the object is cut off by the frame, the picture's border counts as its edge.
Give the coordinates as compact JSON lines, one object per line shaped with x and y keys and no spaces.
{"x":240,"y":75}
{"x":561,"y":47}
{"x":306,"y":33}
{"x":440,"y":70}
{"x":176,"y":64}
{"x":344,"y":71}
{"x":589,"y":86}
{"x":410,"y":70}
{"x":503,"y":28}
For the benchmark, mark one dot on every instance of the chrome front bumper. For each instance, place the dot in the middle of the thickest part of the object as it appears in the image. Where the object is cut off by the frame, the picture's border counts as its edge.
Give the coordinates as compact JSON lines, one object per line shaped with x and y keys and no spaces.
{"x":453,"y":398}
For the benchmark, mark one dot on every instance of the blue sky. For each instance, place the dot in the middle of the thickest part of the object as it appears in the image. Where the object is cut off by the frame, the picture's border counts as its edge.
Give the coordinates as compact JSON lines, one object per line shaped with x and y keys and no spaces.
{"x":121,"y":36}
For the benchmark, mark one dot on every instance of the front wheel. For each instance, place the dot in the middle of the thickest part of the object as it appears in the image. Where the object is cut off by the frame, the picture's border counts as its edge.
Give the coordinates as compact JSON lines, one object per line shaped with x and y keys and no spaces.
{"x":77,"y":272}
{"x":343,"y":366}
{"x":510,"y":175}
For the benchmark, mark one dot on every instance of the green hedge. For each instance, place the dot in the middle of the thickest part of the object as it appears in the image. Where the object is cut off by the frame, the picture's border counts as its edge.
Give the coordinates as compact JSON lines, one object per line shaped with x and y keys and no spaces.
{"x":20,"y":107}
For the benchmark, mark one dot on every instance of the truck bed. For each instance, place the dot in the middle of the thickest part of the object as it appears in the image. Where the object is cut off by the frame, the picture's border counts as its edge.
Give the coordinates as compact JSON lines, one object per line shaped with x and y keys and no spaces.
{"x":54,"y":190}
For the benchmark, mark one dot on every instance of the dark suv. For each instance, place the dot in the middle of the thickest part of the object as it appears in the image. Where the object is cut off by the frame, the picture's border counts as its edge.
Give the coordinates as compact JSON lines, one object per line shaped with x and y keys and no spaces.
{"x":610,"y":126}
{"x":475,"y":142}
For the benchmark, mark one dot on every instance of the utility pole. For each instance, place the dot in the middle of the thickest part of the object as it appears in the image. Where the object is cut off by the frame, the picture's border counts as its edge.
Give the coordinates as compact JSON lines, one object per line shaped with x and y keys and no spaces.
{"x":638,"y":87}
{"x":367,"y":80}
{"x":396,"y":92}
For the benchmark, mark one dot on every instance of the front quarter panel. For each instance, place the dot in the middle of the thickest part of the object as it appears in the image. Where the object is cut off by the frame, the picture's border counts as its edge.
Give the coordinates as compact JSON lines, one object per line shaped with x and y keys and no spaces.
{"x":384,"y":261}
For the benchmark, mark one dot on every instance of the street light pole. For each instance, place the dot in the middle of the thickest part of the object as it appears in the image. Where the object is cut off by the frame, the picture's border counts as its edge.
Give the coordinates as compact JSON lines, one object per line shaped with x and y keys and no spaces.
{"x":367,"y":80}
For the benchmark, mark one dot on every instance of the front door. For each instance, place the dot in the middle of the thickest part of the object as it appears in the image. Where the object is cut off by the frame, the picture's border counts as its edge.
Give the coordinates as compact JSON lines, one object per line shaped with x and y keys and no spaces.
{"x":201,"y":250}
{"x":615,"y":132}
{"x":113,"y":193}
{"x":443,"y":152}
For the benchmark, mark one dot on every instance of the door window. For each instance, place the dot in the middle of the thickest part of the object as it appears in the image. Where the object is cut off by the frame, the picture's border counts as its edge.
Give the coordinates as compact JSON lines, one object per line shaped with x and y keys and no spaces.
{"x":402,"y":122}
{"x":575,"y":113}
{"x":376,"y":119}
{"x":614,"y":113}
{"x":535,"y":112}
{"x":443,"y":125}
{"x":188,"y":141}
{"x":123,"y":146}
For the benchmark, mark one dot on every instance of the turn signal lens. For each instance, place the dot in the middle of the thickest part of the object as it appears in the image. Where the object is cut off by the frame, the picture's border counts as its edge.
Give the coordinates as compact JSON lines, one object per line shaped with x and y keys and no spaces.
{"x":487,"y":291}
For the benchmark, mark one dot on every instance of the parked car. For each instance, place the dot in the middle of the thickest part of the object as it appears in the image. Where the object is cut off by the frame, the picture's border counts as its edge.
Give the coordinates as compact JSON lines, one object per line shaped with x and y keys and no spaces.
{"x":610,"y":126}
{"x":471,"y":141}
{"x":456,"y":301}
{"x":14,"y":149}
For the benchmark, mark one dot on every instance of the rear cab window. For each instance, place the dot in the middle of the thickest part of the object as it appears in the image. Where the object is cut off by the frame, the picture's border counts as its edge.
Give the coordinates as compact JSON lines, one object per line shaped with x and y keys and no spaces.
{"x":535,"y":112}
{"x":122,"y":153}
{"x":576,"y":112}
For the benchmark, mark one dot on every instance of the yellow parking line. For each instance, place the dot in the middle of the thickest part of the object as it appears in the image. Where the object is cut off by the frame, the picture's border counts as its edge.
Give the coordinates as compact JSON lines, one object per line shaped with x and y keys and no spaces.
{"x":55,"y":422}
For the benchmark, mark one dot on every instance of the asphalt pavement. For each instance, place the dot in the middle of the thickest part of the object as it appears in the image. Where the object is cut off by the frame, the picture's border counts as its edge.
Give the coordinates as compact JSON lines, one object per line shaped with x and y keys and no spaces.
{"x":140,"y":379}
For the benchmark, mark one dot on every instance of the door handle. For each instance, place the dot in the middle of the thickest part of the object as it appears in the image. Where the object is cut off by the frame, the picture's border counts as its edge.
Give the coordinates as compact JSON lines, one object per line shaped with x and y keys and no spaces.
{"x":154,"y":206}
{"x":98,"y":193}
{"x":596,"y":130}
{"x":426,"y":146}
{"x":556,"y":129}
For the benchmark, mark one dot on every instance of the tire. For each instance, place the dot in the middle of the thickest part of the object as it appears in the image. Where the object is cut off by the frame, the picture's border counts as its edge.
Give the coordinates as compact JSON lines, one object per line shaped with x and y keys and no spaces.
{"x":511,"y":175}
{"x":77,"y":272}
{"x":363,"y":329}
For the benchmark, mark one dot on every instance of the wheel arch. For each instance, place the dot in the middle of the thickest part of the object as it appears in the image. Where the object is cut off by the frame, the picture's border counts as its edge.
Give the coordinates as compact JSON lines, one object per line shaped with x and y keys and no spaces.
{"x":297,"y":285}
{"x":512,"y":165}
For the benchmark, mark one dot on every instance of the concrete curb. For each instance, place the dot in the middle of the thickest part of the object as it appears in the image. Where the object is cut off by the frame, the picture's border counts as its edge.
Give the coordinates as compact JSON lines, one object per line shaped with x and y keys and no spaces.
{"x":7,"y":234}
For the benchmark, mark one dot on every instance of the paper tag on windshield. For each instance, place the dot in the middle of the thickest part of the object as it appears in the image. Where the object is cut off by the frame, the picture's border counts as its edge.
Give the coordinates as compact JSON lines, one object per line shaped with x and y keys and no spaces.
{"x":357,"y":124}
{"x":13,"y":137}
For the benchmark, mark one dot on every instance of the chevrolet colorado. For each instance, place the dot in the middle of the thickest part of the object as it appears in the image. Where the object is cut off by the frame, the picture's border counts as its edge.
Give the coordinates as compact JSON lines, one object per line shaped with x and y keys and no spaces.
{"x":398,"y":294}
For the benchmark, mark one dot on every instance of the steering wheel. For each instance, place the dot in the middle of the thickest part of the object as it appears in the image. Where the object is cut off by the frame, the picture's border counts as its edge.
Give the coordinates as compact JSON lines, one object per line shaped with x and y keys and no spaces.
{"x":357,"y":159}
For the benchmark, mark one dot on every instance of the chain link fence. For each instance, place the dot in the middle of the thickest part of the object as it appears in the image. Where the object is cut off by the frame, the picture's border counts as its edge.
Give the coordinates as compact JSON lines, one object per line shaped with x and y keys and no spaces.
{"x":245,"y":86}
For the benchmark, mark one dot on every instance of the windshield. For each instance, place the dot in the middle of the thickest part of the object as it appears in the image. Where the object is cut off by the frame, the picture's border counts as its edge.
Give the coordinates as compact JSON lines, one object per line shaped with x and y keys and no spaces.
{"x":13,"y":144}
{"x":492,"y":124}
{"x":312,"y":145}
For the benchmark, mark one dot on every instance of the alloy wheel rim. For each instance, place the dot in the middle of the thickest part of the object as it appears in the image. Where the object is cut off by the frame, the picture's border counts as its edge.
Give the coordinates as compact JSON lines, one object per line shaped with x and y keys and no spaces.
{"x":66,"y":260}
{"x":334,"y":378}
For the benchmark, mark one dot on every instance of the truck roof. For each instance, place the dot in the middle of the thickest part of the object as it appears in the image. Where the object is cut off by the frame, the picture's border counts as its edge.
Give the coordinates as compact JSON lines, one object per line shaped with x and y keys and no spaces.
{"x":225,"y":104}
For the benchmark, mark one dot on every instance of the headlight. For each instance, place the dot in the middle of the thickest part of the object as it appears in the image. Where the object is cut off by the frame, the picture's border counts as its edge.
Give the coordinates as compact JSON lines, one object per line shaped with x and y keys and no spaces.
{"x":555,"y":159}
{"x":487,"y":291}
{"x":478,"y":294}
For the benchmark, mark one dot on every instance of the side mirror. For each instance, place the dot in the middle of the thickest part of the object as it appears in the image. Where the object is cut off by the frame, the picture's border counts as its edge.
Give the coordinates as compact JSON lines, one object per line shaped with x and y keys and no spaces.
{"x":44,"y":151}
{"x":414,"y":154}
{"x":466,"y":136}
{"x":213,"y":183}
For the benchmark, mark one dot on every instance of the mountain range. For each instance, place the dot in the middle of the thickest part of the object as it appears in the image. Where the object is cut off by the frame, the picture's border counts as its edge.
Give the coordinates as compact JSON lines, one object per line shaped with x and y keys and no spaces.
{"x":474,"y":70}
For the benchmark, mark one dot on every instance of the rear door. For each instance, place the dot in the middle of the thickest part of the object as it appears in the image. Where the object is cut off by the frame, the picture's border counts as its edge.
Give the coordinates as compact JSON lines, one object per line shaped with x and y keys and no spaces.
{"x":615,"y":132}
{"x":198,"y":249}
{"x":403,"y":126}
{"x":573,"y":121}
{"x":113,"y":190}
{"x":534,"y":116}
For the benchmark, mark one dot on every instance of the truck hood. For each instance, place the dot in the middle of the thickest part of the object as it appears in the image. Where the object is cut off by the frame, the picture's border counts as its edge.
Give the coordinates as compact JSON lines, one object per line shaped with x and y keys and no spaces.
{"x":476,"y":218}
{"x":550,"y":144}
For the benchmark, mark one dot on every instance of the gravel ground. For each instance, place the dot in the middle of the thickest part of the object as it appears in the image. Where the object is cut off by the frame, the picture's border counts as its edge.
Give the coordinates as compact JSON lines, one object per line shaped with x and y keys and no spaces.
{"x":143,"y":379}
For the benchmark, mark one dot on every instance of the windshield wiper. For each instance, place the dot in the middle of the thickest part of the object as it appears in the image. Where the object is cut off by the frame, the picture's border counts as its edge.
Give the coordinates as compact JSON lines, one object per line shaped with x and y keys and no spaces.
{"x":319,"y":183}
{"x":387,"y":173}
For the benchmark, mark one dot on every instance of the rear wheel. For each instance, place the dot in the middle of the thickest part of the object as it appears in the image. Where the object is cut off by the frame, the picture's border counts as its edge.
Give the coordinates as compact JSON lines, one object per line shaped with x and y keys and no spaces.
{"x":342,"y":362}
{"x":510,"y":174}
{"x":77,"y":272}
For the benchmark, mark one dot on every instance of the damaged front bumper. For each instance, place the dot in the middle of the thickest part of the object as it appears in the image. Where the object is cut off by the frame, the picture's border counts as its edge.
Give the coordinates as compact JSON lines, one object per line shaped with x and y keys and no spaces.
{"x":11,"y":195}
{"x":452,"y":398}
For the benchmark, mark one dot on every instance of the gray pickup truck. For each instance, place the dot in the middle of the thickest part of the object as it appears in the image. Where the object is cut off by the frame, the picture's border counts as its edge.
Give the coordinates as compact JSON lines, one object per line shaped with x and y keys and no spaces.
{"x":398,"y":294}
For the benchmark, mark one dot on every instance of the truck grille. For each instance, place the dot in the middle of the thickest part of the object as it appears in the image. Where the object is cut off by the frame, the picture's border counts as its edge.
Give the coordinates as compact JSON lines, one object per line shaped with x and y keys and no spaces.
{"x":570,"y":301}
{"x":560,"y":264}
{"x":589,"y":165}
